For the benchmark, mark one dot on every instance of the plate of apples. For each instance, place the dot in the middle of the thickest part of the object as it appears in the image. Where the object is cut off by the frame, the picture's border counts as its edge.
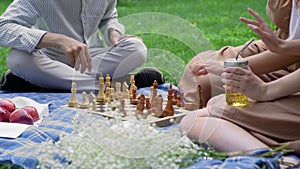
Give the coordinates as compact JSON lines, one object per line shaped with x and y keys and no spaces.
{"x":19,"y":113}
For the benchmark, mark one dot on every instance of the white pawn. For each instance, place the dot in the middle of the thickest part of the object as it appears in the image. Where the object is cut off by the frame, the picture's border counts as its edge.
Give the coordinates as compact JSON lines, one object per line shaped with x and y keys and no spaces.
{"x":84,"y":103}
{"x":122,"y":108}
{"x":118,"y":91}
{"x":94,"y":105}
{"x":91,"y":98}
{"x":125,"y":92}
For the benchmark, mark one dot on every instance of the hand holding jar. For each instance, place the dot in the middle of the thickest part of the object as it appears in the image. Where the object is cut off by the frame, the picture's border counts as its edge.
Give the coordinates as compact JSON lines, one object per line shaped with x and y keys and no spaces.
{"x":241,"y":83}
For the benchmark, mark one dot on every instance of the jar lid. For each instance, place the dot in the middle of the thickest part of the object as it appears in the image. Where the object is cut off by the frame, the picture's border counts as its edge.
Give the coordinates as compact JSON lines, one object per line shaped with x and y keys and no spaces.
{"x":240,"y":62}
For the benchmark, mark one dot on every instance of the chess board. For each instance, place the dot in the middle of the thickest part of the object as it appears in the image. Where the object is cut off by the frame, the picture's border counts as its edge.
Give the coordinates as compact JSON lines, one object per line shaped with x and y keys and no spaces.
{"x":111,"y":111}
{"x":129,"y":105}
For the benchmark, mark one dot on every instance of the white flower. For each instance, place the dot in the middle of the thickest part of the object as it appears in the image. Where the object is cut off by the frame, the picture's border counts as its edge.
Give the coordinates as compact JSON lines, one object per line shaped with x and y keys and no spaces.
{"x":111,"y":143}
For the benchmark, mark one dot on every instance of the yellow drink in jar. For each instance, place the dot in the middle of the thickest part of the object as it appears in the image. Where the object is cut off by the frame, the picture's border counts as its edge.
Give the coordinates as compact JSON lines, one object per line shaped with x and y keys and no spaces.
{"x":234,"y":98}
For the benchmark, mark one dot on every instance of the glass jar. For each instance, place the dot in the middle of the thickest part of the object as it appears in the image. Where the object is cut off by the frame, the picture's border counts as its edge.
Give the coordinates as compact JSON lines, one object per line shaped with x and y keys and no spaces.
{"x":234,"y":98}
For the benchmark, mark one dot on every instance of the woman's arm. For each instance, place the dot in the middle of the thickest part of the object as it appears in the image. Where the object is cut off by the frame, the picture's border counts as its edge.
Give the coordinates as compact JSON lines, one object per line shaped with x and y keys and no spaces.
{"x":284,"y":86}
{"x":268,"y":61}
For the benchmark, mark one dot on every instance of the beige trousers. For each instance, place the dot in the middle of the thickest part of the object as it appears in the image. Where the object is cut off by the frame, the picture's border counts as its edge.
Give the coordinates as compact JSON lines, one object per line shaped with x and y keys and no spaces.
{"x":46,"y":70}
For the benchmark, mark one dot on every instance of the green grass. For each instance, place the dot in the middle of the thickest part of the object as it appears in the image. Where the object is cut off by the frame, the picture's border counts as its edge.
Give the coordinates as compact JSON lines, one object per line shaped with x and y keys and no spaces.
{"x":218,"y":20}
{"x":3,"y":50}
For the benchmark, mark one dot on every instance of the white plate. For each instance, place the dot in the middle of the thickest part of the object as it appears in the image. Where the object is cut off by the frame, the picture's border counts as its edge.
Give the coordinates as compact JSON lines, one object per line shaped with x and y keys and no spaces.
{"x":14,"y":130}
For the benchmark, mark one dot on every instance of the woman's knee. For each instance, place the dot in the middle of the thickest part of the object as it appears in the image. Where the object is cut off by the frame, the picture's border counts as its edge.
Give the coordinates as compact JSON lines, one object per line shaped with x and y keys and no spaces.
{"x":190,"y":120}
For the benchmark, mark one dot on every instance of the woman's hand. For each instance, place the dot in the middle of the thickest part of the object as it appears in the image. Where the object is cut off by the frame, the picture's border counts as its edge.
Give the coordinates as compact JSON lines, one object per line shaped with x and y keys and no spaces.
{"x":244,"y":81}
{"x":264,"y":31}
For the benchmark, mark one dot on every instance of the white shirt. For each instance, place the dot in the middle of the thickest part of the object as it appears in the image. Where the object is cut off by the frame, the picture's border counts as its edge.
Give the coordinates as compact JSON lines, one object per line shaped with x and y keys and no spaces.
{"x":294,"y":32}
{"x":79,"y":19}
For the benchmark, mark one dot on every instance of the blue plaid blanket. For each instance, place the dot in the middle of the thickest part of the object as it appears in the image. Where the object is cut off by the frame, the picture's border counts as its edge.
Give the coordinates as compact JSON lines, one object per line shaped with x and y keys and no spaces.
{"x":20,"y":152}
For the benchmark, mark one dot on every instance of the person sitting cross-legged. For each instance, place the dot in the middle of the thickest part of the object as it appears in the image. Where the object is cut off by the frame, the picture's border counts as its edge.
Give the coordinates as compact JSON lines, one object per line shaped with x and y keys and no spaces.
{"x":55,"y":43}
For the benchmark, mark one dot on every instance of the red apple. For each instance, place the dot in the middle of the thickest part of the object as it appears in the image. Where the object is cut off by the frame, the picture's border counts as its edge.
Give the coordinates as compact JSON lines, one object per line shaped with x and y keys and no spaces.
{"x":33,"y":112}
{"x":4,"y":115}
{"x":21,"y":116}
{"x":8,"y":105}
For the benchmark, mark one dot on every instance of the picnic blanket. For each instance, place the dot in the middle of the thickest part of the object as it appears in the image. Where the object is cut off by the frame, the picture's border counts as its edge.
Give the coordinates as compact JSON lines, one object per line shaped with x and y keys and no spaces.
{"x":21,"y":151}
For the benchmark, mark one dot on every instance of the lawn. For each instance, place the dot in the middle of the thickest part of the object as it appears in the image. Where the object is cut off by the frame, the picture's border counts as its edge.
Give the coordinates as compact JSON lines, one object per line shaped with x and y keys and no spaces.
{"x":3,"y":50}
{"x":216,"y":24}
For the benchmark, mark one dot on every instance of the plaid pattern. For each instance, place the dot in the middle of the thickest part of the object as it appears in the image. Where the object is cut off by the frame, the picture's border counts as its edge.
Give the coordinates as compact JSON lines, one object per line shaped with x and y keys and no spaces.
{"x":20,"y":151}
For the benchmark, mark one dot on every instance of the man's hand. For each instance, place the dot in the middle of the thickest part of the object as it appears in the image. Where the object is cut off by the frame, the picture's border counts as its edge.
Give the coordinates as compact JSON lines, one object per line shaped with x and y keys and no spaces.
{"x":115,"y":37}
{"x":76,"y":51}
{"x":78,"y":54}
